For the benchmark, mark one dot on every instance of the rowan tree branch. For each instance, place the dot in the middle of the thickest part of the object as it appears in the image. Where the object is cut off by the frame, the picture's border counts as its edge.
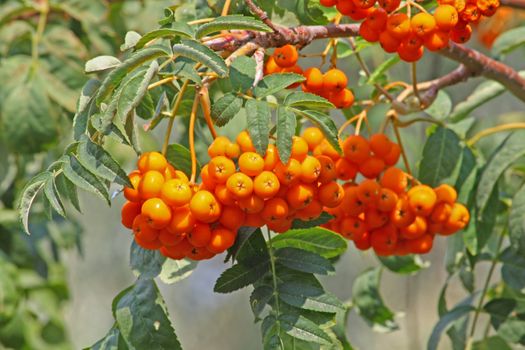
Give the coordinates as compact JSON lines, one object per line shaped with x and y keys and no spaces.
{"x":263,"y":16}
{"x":474,"y":62}
{"x":517,"y":4}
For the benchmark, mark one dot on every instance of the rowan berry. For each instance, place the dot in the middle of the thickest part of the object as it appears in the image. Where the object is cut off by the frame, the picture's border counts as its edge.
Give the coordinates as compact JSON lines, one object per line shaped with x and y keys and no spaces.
{"x":223,"y":195}
{"x":384,"y":240}
{"x":402,"y":215}
{"x":356,"y":149}
{"x":245,"y":142}
{"x":387,"y":200}
{"x":290,"y":173}
{"x":352,"y":205}
{"x":368,"y":192}
{"x":398,"y":25}
{"x":446,"y":17}
{"x":299,"y":148}
{"x":446,"y":193}
{"x":132,"y":194}
{"x":221,"y":239}
{"x":415,"y":230}
{"x":364,"y":242}
{"x":205,"y":207}
{"x":441,"y":212}
{"x":176,"y":193}
{"x":328,"y":3}
{"x":374,"y":218}
{"x":266,"y":185}
{"x":169,"y":239}
{"x":300,"y":195}
{"x":458,"y":219}
{"x":286,"y":56}
{"x":152,"y":161}
{"x":182,"y":220}
{"x":275,"y":209}
{"x":367,"y":32}
{"x":314,"y":80}
{"x":342,"y":99}
{"x":377,"y":19}
{"x":437,"y":40}
{"x":393,"y":156}
{"x":421,"y":245}
{"x":251,"y":204}
{"x":240,"y":185}
{"x":328,"y":169}
{"x":150,"y":184}
{"x":271,"y":158}
{"x":394,"y":179}
{"x":422,"y":24}
{"x":232,"y":217}
{"x":130,"y":210}
{"x":389,"y":5}
{"x":334,"y":80}
{"x":157,"y":212}
{"x":142,"y":230}
{"x":310,"y":169}
{"x":220,"y":168}
{"x":422,"y":199}
{"x":352,"y":228}
{"x":388,"y":42}
{"x":218,"y":147}
{"x":345,"y":170}
{"x":461,"y":35}
{"x":331,"y":194}
{"x":311,"y":211}
{"x":372,"y":167}
{"x":410,"y":55}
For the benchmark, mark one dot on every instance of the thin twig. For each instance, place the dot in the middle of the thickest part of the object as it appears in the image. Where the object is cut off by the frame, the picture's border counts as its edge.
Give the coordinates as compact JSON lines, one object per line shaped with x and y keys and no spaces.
{"x":191,"y":132}
{"x":263,"y":16}
{"x":172,"y":116}
{"x":493,"y":130}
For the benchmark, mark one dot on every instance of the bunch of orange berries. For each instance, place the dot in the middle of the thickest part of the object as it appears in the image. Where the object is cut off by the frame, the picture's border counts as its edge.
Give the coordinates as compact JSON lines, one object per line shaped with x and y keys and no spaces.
{"x":331,"y":85}
{"x":408,"y":36}
{"x":166,"y":212}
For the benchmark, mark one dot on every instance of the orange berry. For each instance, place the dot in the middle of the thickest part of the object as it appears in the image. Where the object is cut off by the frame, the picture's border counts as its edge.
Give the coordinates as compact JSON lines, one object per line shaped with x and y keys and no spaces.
{"x":266,"y":185}
{"x":331,"y":194}
{"x":171,"y":173}
{"x":149,"y":245}
{"x":415,"y":230}
{"x":345,"y":7}
{"x":437,"y":40}
{"x":328,"y":169}
{"x":384,"y":240}
{"x":422,"y":199}
{"x":334,"y":80}
{"x":178,"y":251}
{"x":270,"y":158}
{"x":325,"y":148}
{"x":446,"y":17}
{"x":461,"y":35}
{"x":345,"y":170}
{"x":398,"y":25}
{"x":311,"y":211}
{"x":254,"y":220}
{"x":313,"y":137}
{"x":275,"y":209}
{"x":471,"y":13}
{"x":389,"y":5}
{"x":152,"y":161}
{"x":458,"y":219}
{"x":310,"y":169}
{"x":375,"y":218}
{"x":380,"y":144}
{"x":314,"y":79}
{"x":294,"y":69}
{"x":393,"y":156}
{"x":233,"y":150}
{"x":240,"y":185}
{"x":394,"y":179}
{"x":446,"y":193}
{"x":328,"y":3}
{"x":372,"y":167}
{"x":223,"y":195}
{"x":200,"y":235}
{"x":356,"y":149}
{"x":441,"y":212}
{"x":157,"y":213}
{"x":271,"y":67}
{"x":422,"y":24}
{"x":205,"y":207}
{"x":352,"y":205}
{"x":408,"y":54}
{"x":299,"y":148}
{"x":206,"y":178}
{"x":368,"y":192}
{"x":364,"y":242}
{"x":150,"y":184}
{"x":388,"y":42}
{"x":221,"y":239}
{"x":251,"y":204}
{"x":377,"y":19}
{"x":286,"y":56}
{"x":143,"y":230}
{"x":232,"y":217}
{"x":280,"y":226}
{"x":176,"y":193}
{"x":169,"y":239}
{"x":130,"y":210}
{"x":289,"y":173}
{"x":421,"y":245}
{"x":368,"y":33}
{"x":218,"y":147}
{"x":387,"y":200}
{"x":300,"y":195}
{"x":251,"y":163}
{"x":182,"y":221}
{"x":352,"y":228}
{"x":133,"y":194}
{"x":200,"y":253}
{"x":245,"y":142}
{"x":342,"y":99}
{"x":402,"y":215}
{"x":364,"y":4}
{"x":220,"y":168}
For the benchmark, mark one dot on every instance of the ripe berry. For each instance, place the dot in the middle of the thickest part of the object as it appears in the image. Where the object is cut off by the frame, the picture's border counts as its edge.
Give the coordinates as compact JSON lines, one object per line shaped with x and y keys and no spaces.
{"x":176,"y":193}
{"x":266,"y":185}
{"x":446,"y":17}
{"x":220,"y":168}
{"x":240,"y":185}
{"x":422,"y":199}
{"x":130,"y":210}
{"x":286,"y":56}
{"x":182,"y":220}
{"x":251,"y":163}
{"x":314,"y":80}
{"x":356,"y":149}
{"x":221,"y":239}
{"x":423,"y":24}
{"x":152,"y":161}
{"x":133,"y":194}
{"x":334,"y":80}
{"x":398,"y":25}
{"x":157,"y":213}
{"x":205,"y":207}
{"x":150,"y":184}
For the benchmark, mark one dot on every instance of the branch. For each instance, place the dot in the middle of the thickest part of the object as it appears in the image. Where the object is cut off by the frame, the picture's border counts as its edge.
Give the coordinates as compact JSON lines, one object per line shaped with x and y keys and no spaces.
{"x":474,"y":62}
{"x":263,"y":16}
{"x":517,"y":4}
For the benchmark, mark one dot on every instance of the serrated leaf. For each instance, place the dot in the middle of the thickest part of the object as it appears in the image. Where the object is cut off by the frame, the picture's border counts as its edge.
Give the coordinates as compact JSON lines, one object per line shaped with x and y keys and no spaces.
{"x":309,"y":296}
{"x":408,"y":264}
{"x":370,"y":305}
{"x":445,"y":322}
{"x":130,"y":40}
{"x":509,"y":151}
{"x":286,"y":124}
{"x":68,"y":190}
{"x":202,"y":54}
{"x":184,"y":68}
{"x":253,"y":251}
{"x":239,"y":276}
{"x":499,"y":310}
{"x":274,"y":83}
{"x":441,"y":107}
{"x":303,"y":260}
{"x":145,"y":263}
{"x":509,"y":41}
{"x":174,"y":271}
{"x":114,"y":78}
{"x":258,"y":124}
{"x":307,"y":100}
{"x":260,"y":296}
{"x":99,"y":162}
{"x":517,"y":221}
{"x":101,"y":63}
{"x":302,"y":328}
{"x":440,"y":156}
{"x":378,"y":73}
{"x":327,"y":126}
{"x":28,"y":196}
{"x":318,"y":240}
{"x":82,"y":178}
{"x":180,"y":157}
{"x":180,"y":30}
{"x":226,"y":108}
{"x":112,"y":341}
{"x":134,"y":90}
{"x":142,"y":318}
{"x":85,"y":108}
{"x":513,"y":269}
{"x":322,"y":219}
{"x":232,"y":22}
{"x":242,"y":73}
{"x":52,"y":195}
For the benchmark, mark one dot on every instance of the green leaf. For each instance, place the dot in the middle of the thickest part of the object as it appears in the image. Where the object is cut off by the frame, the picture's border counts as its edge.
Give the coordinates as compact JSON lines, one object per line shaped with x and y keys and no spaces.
{"x":379,"y":72}
{"x":114,"y":78}
{"x":202,"y":54}
{"x":327,"y":126}
{"x":67,"y":190}
{"x":99,"y":162}
{"x":225,"y":108}
{"x":445,"y":323}
{"x":180,"y":157}
{"x":233,"y":22}
{"x":134,"y":90}
{"x":408,"y":264}
{"x":274,"y":83}
{"x":491,"y":343}
{"x":174,"y":271}
{"x":242,"y":73}
{"x":260,"y":296}
{"x":145,"y":263}
{"x":517,"y":221}
{"x":509,"y":41}
{"x":304,"y":294}
{"x":370,"y":305}
{"x":112,"y":341}
{"x":82,"y":178}
{"x":509,"y":151}
{"x":180,"y":30}
{"x":322,"y":219}
{"x":441,"y":107}
{"x":286,"y":124}
{"x":303,"y":260}
{"x":307,"y":100}
{"x":513,"y":269}
{"x":101,"y":63}
{"x":143,"y":319}
{"x":130,"y":40}
{"x":184,"y":68}
{"x":440,"y":157}
{"x":85,"y":108}
{"x":28,"y":196}
{"x":317,"y":240}
{"x":258,"y":124}
{"x":52,"y":195}
{"x":253,"y":251}
{"x":302,"y":328}
{"x":499,"y":310}
{"x":239,"y":276}
{"x":513,"y":330}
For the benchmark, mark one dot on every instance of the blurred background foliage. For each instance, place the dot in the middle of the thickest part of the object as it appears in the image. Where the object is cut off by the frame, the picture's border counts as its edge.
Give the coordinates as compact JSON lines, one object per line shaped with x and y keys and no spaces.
{"x":56,"y":285}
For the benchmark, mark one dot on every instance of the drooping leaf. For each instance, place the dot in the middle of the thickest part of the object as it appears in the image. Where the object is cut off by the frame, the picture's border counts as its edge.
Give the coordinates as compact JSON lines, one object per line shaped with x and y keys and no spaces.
{"x":327,"y":126}
{"x":317,"y":240}
{"x":513,"y":269}
{"x":242,"y":73}
{"x":145,"y":263}
{"x":85,"y":108}
{"x":303,"y":260}
{"x":491,"y":343}
{"x":441,"y":107}
{"x":232,"y":22}
{"x":202,"y":54}
{"x":84,"y":179}
{"x":101,"y":63}
{"x":445,"y":322}
{"x":52,"y":195}
{"x":260,"y":296}
{"x":253,"y":251}
{"x":28,"y":196}
{"x":274,"y":83}
{"x":407,"y":264}
{"x":112,"y":341}
{"x":306,"y":100}
{"x":67,"y":190}
{"x":225,"y":108}
{"x":181,"y":30}
{"x":180,"y":157}
{"x":517,"y":221}
{"x":322,"y":219}
{"x":239,"y":276}
{"x":302,"y":328}
{"x":509,"y":41}
{"x":174,"y":271}
{"x":258,"y":124}
{"x":286,"y":124}
{"x":304,"y":294}
{"x":130,"y":40}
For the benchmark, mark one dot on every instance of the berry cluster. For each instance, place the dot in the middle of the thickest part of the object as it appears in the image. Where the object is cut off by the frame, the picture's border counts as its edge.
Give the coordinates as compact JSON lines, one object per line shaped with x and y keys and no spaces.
{"x":409,"y":35}
{"x":331,"y":85}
